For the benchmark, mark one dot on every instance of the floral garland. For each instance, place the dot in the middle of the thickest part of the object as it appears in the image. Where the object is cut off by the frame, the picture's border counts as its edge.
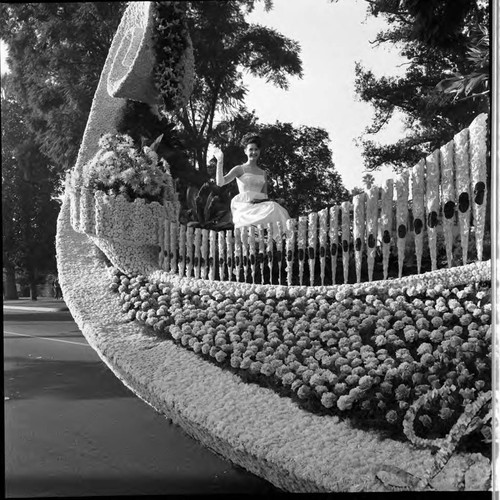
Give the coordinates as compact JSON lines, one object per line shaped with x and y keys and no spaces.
{"x":174,"y":67}
{"x":121,"y":168}
{"x":468,"y":422}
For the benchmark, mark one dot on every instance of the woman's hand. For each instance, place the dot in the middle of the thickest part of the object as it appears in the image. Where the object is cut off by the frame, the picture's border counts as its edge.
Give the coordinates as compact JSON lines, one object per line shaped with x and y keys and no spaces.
{"x":219,"y":172}
{"x":219,"y":156}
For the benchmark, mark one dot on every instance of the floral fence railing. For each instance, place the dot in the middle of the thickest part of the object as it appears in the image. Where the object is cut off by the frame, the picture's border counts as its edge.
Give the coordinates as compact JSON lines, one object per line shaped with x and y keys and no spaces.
{"x":443,"y":196}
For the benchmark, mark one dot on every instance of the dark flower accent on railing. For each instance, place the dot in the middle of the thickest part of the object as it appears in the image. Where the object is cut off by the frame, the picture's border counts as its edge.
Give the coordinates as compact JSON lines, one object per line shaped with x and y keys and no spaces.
{"x":345,"y":246}
{"x":432,"y":219}
{"x":311,"y":252}
{"x":463,"y":202}
{"x":301,"y":254}
{"x":358,"y":244}
{"x":449,"y":209}
{"x":387,"y":237}
{"x":418,"y":224}
{"x":322,"y":252}
{"x":479,"y":190}
{"x":402,"y":231}
{"x":371,"y":241}
{"x":333,"y":249}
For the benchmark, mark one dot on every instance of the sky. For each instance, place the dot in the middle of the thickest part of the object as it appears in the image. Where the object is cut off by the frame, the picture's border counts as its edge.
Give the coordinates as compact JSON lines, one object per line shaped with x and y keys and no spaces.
{"x":332,"y":36}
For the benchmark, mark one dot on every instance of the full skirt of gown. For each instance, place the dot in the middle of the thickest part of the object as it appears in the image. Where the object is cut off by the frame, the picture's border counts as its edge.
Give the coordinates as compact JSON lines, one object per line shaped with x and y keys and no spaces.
{"x":246,"y":213}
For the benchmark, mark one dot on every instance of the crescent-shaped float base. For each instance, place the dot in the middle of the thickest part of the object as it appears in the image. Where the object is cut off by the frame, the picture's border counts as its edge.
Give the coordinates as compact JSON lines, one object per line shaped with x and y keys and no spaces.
{"x":253,"y":427}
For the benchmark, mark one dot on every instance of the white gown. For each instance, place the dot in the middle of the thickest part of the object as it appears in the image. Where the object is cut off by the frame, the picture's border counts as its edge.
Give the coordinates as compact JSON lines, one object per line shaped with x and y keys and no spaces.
{"x":246,"y":213}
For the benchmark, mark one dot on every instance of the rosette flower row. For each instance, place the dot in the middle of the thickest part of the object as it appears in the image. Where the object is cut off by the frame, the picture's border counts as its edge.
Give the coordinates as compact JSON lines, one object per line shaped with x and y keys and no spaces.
{"x":364,"y":352}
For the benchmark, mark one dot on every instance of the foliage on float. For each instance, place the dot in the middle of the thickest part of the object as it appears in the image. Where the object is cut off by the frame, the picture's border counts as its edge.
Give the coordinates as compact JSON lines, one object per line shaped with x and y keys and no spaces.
{"x":367,"y":352}
{"x":174,"y":66}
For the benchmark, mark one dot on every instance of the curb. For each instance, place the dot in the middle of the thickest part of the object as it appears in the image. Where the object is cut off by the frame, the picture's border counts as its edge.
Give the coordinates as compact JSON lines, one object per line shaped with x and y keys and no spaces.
{"x":38,"y":309}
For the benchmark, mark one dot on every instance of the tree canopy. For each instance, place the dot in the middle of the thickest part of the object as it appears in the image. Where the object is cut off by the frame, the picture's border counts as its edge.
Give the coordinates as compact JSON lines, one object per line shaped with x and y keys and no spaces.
{"x":435,"y":36}
{"x":29,"y":212}
{"x":225,"y":45}
{"x":56,"y":55}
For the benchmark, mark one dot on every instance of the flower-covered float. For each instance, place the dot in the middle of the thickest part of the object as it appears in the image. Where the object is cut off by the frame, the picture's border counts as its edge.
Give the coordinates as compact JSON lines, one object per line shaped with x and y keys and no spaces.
{"x":249,"y":340}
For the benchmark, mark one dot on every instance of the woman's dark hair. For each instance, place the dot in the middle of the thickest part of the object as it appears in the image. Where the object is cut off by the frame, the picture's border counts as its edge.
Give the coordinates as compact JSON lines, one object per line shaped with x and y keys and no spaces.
{"x":251,"y":139}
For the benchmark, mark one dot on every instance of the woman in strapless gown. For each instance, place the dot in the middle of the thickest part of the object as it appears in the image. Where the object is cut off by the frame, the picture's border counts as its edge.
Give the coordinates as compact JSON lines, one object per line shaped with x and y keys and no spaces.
{"x":251,"y":206}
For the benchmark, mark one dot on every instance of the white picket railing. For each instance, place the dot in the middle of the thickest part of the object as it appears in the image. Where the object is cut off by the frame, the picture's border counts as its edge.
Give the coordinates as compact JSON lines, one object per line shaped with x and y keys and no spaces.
{"x":445,"y":194}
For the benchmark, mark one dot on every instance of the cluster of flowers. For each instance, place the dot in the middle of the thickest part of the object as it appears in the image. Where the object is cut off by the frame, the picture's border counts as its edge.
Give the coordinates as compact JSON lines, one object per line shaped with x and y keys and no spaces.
{"x":365,"y":352}
{"x":119,"y":167}
{"x":174,"y":67}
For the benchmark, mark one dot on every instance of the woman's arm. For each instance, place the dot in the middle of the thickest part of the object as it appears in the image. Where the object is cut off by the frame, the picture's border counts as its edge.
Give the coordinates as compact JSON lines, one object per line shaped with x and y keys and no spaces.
{"x":222,"y":179}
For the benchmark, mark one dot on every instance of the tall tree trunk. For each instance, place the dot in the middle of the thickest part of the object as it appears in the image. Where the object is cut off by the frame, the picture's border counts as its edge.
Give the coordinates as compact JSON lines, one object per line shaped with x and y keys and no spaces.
{"x":10,"y":290}
{"x":32,"y":276}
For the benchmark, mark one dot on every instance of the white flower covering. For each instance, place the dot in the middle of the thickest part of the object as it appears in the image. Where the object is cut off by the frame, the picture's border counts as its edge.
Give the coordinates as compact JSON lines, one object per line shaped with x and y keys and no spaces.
{"x":358,"y":230}
{"x":333,"y":235}
{"x":247,"y":424}
{"x":386,"y":222}
{"x":86,"y":213}
{"x":204,"y":253}
{"x":271,"y":233}
{"x":448,"y":195}
{"x":432,"y":201}
{"x":251,"y":246}
{"x":346,"y":237}
{"x":182,"y":249}
{"x":221,"y":243}
{"x":279,"y":247}
{"x":173,"y":246}
{"x":237,"y":252}
{"x":189,"y":250}
{"x":161,"y":239}
{"x":478,"y":131}
{"x":312,"y":236}
{"x":212,"y":255}
{"x":197,"y":252}
{"x":231,"y":253}
{"x":302,"y":245}
{"x":371,"y":227}
{"x":323,"y":235}
{"x":401,"y":216}
{"x":166,"y":242}
{"x":461,"y":160}
{"x":262,"y":249}
{"x":290,"y":248}
{"x":244,"y":248}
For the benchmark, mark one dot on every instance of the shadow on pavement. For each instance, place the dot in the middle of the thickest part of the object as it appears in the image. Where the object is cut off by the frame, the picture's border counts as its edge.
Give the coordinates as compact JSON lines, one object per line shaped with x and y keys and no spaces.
{"x":181,"y":484}
{"x":37,"y":317}
{"x":72,"y":380}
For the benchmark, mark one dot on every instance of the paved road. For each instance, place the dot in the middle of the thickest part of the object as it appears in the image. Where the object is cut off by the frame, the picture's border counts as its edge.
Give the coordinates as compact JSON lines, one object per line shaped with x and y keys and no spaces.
{"x":73,"y":429}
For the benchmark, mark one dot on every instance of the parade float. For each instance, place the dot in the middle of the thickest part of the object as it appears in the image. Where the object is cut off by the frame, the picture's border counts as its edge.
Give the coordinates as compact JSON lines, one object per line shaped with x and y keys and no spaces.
{"x":348,"y":351}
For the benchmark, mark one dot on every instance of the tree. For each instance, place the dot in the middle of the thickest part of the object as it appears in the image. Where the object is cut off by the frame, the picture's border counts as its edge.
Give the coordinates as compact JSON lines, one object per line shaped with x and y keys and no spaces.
{"x":368,"y":180}
{"x":56,"y":55}
{"x":436,"y":47}
{"x":225,"y":44}
{"x":29,"y":213}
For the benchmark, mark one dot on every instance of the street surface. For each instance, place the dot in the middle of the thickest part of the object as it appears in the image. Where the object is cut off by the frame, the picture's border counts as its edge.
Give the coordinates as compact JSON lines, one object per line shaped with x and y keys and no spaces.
{"x":73,"y":429}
